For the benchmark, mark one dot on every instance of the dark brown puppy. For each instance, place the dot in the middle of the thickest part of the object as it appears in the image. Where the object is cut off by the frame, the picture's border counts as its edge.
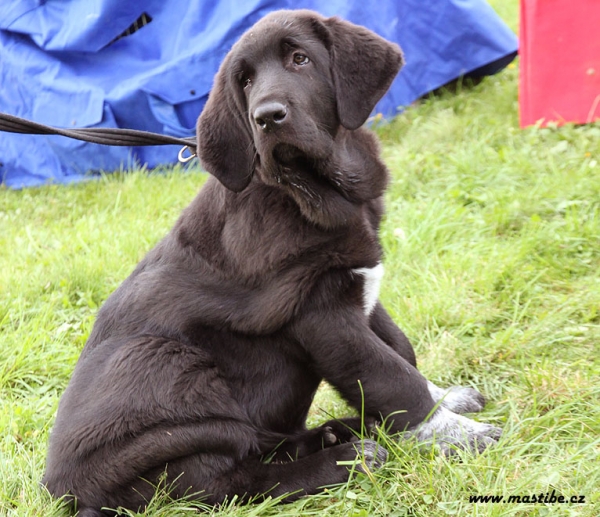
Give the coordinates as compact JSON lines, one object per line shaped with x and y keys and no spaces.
{"x":207,"y":358}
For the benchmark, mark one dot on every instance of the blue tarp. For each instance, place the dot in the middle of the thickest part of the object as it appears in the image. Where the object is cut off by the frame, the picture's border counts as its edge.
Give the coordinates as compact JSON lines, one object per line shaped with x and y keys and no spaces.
{"x":62,"y":63}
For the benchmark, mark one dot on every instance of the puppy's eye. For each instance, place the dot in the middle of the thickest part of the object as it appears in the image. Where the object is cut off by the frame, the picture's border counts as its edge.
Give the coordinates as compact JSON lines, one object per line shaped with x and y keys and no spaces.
{"x":246,"y":81}
{"x":301,"y":59}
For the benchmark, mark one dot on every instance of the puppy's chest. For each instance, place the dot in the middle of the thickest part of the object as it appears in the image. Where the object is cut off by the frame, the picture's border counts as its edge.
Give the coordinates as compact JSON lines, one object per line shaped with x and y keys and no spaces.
{"x":370,"y":284}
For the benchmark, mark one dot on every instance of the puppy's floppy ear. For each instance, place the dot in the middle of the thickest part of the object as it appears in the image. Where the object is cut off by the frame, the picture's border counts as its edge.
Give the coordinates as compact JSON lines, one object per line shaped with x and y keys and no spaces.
{"x":363,"y":67}
{"x":225,"y":145}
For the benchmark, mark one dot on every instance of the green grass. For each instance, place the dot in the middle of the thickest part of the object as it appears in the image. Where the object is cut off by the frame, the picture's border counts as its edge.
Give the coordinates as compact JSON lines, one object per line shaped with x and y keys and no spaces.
{"x":492,"y":240}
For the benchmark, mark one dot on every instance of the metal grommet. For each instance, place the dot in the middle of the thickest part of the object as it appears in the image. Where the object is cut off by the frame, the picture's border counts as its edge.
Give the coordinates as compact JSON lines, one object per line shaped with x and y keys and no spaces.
{"x":185,"y":159}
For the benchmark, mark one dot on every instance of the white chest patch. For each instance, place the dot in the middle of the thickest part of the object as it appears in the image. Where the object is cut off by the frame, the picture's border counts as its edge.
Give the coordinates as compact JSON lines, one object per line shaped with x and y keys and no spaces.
{"x":372,"y":277}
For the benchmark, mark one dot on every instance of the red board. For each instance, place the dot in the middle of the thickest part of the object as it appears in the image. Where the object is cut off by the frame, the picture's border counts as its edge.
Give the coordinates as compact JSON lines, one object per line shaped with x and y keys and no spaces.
{"x":559,"y":61}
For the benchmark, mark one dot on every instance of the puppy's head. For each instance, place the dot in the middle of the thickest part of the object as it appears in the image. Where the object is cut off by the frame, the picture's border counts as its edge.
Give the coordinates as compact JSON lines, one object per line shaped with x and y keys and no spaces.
{"x":283,"y":91}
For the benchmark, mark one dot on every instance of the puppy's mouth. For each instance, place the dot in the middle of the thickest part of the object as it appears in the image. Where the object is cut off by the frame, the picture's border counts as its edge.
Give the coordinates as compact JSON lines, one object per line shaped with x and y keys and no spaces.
{"x":288,"y":164}
{"x":287,"y":154}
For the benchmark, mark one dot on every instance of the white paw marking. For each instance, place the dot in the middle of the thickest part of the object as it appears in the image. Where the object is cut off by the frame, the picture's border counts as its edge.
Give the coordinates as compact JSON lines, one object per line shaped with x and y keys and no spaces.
{"x":458,"y":399}
{"x":446,"y":424}
{"x":372,"y":278}
{"x":447,"y":428}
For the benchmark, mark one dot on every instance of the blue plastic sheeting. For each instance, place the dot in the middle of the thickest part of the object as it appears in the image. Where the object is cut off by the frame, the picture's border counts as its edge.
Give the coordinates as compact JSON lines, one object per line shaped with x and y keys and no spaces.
{"x":63,"y":64}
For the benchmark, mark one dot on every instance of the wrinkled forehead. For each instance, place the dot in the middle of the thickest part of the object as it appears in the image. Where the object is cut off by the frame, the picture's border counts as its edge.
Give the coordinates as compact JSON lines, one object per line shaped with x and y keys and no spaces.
{"x":280,"y":30}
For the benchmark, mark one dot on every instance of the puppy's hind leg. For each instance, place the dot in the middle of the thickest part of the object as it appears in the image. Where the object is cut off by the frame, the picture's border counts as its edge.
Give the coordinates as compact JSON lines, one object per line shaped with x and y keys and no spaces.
{"x":90,"y":512}
{"x":331,"y":433}
{"x":305,"y":476}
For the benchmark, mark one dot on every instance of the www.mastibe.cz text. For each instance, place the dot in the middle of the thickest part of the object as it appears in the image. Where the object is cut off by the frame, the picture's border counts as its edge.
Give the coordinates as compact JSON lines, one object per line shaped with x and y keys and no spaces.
{"x":543,"y":498}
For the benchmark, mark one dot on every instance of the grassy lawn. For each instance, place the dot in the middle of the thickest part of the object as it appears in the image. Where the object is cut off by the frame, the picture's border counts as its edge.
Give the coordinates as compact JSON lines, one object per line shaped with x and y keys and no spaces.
{"x":492,"y":240}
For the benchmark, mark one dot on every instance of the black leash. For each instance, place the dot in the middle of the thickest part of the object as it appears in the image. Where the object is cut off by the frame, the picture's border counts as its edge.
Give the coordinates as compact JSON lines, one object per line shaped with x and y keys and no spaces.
{"x":99,"y":135}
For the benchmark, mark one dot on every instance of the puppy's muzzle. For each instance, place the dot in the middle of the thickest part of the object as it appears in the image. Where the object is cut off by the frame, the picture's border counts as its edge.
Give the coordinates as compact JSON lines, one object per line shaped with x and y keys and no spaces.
{"x":271,"y":116}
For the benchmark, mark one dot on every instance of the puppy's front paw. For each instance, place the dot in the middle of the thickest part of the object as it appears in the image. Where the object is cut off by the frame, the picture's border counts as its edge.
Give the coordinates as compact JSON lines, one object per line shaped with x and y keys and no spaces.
{"x":458,"y":399}
{"x":450,"y":431}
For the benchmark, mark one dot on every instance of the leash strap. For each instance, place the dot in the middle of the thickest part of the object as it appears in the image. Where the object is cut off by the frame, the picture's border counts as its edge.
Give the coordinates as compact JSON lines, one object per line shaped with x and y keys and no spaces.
{"x":99,"y":135}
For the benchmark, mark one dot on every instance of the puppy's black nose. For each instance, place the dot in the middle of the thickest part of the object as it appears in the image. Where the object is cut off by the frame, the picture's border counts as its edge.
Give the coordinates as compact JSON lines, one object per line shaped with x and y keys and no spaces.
{"x":270,"y":116}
